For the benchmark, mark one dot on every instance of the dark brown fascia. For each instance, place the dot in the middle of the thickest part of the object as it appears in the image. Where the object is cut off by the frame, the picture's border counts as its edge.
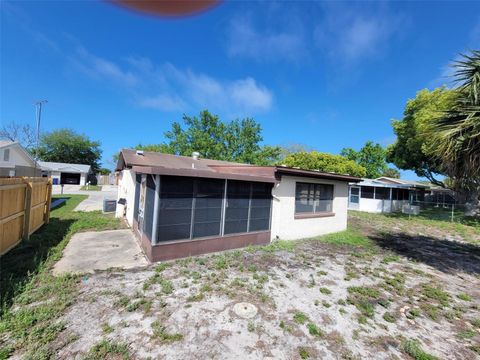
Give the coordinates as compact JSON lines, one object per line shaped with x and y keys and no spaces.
{"x":281,"y":170}
{"x":155,"y":170}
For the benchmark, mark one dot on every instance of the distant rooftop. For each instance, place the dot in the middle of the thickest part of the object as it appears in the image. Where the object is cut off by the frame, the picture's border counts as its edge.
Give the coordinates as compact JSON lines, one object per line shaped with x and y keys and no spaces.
{"x":64,"y":167}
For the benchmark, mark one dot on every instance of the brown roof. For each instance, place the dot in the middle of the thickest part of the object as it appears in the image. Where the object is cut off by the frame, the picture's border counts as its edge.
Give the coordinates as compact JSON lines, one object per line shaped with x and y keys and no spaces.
{"x":167,"y":164}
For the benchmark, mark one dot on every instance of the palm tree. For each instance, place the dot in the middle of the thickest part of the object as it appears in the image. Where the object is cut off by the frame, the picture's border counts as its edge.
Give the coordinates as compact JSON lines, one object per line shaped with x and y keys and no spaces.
{"x":457,"y":133}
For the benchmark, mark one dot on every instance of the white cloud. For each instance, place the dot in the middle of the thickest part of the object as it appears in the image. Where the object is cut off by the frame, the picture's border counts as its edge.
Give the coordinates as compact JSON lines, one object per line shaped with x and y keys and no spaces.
{"x":168,"y":88}
{"x":95,"y":66}
{"x":245,"y":40}
{"x":349,"y":35}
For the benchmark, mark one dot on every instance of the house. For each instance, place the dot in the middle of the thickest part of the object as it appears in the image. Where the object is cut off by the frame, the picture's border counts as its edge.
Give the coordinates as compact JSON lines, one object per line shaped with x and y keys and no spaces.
{"x":62,"y":173}
{"x":180,"y":206}
{"x":16,"y":161}
{"x":384,"y":194}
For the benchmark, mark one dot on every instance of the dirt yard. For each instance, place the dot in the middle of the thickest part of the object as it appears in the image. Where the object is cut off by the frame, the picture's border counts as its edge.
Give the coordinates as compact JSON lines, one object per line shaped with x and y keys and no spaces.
{"x":385,"y":289}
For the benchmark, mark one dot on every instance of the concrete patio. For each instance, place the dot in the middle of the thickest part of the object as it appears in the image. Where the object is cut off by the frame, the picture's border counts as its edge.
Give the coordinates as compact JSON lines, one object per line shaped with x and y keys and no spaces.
{"x":100,"y":250}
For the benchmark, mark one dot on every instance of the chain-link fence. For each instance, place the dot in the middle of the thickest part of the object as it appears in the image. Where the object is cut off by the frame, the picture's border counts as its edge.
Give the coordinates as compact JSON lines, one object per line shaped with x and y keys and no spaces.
{"x":444,"y":211}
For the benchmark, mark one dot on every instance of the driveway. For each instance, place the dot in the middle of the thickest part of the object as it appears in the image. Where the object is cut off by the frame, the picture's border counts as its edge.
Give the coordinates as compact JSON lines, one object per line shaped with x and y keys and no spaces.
{"x":101,"y":250}
{"x":95,"y":198}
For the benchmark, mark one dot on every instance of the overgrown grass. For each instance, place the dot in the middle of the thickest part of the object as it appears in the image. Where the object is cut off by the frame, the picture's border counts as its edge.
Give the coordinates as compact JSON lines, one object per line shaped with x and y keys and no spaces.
{"x":348,"y":237}
{"x":108,"y":350}
{"x":439,"y":218}
{"x":413,"y":348}
{"x":27,"y":283}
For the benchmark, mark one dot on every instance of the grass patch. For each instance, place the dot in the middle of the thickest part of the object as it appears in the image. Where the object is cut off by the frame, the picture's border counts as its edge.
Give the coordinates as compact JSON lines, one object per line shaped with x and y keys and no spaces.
{"x":325,"y":291}
{"x":300,"y":318}
{"x":348,"y":237}
{"x":26,"y":281}
{"x":161,"y":333}
{"x":436,"y":293}
{"x":364,"y":298}
{"x":108,"y":350}
{"x":464,"y":297}
{"x":304,"y":353}
{"x":106,"y":328}
{"x":314,"y":330}
{"x":413,"y":348}
{"x":389,"y":317}
{"x":91,"y":187}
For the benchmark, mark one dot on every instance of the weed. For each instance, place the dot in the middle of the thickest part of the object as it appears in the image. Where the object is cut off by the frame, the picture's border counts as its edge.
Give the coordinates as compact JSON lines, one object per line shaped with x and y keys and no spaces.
{"x":304,"y":353}
{"x":107,"y":349}
{"x":389,"y":317}
{"x":326,"y":304}
{"x":464,"y":297}
{"x":196,"y":297}
{"x":466,"y":334}
{"x":435,"y":293}
{"x":321,"y":273}
{"x":390,"y":258}
{"x":160,"y":332}
{"x":300,"y":318}
{"x":413,"y":313}
{"x":475,"y":322}
{"x":314,"y":330}
{"x":325,"y":291}
{"x":160,"y":267}
{"x":285,"y":327}
{"x":348,"y":237}
{"x":107,"y":329}
{"x":251,"y":326}
{"x":221,"y":263}
{"x":413,"y":348}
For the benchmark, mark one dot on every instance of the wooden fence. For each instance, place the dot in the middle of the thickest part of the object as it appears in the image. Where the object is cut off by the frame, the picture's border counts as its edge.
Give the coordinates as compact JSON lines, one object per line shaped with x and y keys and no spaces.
{"x":24,"y":207}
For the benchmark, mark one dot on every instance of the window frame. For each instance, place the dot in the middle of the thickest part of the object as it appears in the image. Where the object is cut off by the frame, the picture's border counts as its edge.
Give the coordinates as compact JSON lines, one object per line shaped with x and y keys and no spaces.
{"x":316,"y":197}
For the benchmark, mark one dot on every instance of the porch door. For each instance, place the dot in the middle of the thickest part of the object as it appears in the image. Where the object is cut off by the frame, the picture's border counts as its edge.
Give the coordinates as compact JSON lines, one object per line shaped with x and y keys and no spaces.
{"x":354,"y":198}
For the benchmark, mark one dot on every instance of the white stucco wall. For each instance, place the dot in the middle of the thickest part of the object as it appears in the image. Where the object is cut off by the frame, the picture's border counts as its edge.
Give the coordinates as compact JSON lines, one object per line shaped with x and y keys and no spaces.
{"x":126,"y":189}
{"x":284,"y":224}
{"x":379,"y":206}
{"x":16,"y":158}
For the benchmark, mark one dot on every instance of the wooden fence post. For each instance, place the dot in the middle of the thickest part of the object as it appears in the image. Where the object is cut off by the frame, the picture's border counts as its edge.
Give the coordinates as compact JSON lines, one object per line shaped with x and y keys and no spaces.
{"x":28,"y":209}
{"x":46,"y":218}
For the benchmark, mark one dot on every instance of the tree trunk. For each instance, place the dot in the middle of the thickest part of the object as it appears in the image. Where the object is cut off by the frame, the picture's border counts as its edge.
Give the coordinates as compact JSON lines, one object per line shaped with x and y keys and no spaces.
{"x":472,"y":204}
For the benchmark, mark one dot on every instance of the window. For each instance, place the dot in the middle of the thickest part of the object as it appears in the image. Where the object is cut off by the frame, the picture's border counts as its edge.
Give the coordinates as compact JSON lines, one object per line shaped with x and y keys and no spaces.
{"x":6,"y":155}
{"x":260,"y":207}
{"x":208,"y":207}
{"x":382,"y":193}
{"x":354,"y":195}
{"x":176,"y":203}
{"x":236,"y":212}
{"x":367,"y":192}
{"x":313,"y":198}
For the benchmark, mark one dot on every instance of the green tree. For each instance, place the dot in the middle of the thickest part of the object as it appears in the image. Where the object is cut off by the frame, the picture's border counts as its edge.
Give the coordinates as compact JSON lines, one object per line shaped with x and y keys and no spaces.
{"x":413,"y":149}
{"x":392,"y":173}
{"x":315,"y":160}
{"x":104,"y":171}
{"x":238,"y":140}
{"x":65,"y":145}
{"x":456,"y":133}
{"x":371,"y":156}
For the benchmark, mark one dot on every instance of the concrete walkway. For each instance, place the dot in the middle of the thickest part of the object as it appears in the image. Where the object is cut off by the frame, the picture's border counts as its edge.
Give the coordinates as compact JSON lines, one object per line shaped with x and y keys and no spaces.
{"x":100,"y":250}
{"x":95,"y":198}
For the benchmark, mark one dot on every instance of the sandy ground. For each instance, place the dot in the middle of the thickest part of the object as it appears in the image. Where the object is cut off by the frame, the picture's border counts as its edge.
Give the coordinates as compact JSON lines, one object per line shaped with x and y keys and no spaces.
{"x":184,"y":309}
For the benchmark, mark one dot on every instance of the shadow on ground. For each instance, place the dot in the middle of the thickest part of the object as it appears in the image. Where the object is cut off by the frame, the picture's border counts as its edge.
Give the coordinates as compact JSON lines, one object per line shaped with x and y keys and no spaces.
{"x":27,"y":257}
{"x":445,"y":255}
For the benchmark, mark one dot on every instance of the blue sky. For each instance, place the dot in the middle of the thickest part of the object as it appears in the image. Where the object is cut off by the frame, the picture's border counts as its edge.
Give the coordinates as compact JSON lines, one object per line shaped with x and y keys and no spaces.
{"x":324,"y":74}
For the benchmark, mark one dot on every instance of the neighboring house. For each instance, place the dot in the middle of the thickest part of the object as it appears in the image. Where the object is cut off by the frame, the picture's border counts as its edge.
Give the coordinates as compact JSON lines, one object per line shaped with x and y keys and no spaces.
{"x":384,"y":194}
{"x":62,"y":173}
{"x":180,"y":206}
{"x":16,"y":161}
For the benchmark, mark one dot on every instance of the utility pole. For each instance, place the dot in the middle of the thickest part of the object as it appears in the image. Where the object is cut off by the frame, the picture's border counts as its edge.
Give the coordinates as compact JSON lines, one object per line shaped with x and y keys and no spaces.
{"x":38,"y":108}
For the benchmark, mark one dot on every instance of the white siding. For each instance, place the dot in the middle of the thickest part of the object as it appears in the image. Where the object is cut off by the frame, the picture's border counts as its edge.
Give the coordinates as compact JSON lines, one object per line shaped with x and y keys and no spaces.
{"x":126,"y":190}
{"x":284,"y":224}
{"x":15,"y":158}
